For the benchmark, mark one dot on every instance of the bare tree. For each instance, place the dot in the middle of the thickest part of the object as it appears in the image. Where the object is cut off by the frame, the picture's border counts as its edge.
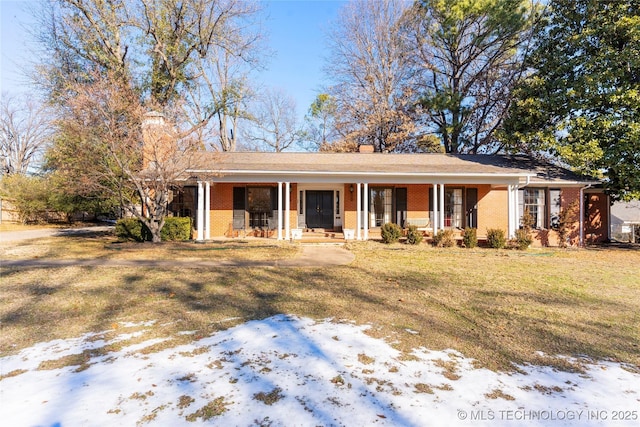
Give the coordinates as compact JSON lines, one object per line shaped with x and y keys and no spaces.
{"x":226,"y":79}
{"x":168,"y":51}
{"x":368,"y":66}
{"x":99,"y":145}
{"x":25,"y":132}
{"x":274,"y":125}
{"x":160,"y":55}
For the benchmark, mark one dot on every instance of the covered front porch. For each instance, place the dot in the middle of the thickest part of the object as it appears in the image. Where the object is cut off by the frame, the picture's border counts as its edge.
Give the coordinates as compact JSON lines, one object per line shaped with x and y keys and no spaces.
{"x":339,"y":211}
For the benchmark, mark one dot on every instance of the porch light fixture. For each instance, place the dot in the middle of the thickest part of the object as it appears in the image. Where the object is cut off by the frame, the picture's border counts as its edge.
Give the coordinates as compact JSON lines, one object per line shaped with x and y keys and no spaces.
{"x":351,"y":191}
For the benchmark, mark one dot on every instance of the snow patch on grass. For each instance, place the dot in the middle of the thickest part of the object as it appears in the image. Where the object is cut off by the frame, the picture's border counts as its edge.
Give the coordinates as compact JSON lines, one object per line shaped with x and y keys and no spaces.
{"x":286,"y":370}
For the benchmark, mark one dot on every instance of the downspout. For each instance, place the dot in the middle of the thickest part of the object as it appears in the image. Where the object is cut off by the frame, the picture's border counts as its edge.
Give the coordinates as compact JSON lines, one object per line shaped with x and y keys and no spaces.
{"x":581,"y":221}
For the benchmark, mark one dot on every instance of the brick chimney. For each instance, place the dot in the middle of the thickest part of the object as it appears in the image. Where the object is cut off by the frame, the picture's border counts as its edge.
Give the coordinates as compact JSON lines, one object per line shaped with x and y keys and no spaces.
{"x":366,"y":148}
{"x":157,"y":143}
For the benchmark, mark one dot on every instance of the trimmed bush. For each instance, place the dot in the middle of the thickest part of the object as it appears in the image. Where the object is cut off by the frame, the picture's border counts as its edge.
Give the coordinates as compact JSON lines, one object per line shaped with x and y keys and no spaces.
{"x":470,"y":238}
{"x":390,"y":232}
{"x":176,"y":229}
{"x":414,"y":236}
{"x":132,"y":229}
{"x":523,"y":239}
{"x":496,"y":238}
{"x":129,"y":229}
{"x":444,"y":239}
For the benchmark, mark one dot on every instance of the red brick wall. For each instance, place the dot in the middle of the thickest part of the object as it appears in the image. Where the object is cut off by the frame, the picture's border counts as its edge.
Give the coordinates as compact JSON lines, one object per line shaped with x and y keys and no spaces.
{"x":221,"y":213}
{"x":597,"y":218}
{"x":418,"y":201}
{"x":493,"y":209}
{"x":349,"y":219}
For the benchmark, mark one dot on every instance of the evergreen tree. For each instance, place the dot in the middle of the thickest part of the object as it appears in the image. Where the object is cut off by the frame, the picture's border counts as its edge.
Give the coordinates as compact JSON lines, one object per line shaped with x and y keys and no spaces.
{"x":582,"y":101}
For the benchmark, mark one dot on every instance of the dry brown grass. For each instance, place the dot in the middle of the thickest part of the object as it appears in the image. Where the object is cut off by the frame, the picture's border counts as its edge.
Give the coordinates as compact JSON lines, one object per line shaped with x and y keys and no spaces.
{"x":496,"y":306}
{"x":101,"y":245}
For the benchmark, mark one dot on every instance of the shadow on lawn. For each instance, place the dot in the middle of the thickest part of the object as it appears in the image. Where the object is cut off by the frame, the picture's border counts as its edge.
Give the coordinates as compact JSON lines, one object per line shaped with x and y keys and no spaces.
{"x":495,"y":327}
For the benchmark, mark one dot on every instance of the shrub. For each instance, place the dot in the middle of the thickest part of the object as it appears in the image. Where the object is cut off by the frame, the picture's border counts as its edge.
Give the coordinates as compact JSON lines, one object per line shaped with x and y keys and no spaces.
{"x":390,"y":232}
{"x":444,"y":239}
{"x":564,"y":224}
{"x":526,"y":221}
{"x":414,"y":236}
{"x":129,"y":229}
{"x":176,"y":229}
{"x":523,"y":239}
{"x":496,"y":238}
{"x":470,"y":238}
{"x":173,"y":229}
{"x":28,"y":194}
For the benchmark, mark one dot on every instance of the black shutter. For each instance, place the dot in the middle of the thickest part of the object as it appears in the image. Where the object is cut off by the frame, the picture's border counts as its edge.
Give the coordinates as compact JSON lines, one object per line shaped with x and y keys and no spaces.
{"x":431,"y":200}
{"x":239,"y":203}
{"x":274,"y":198}
{"x":472,"y":207}
{"x":401,"y":206}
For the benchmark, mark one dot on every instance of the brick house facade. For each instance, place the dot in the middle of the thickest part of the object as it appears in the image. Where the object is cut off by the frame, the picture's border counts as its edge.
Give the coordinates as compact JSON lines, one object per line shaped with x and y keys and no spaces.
{"x":276,"y":195}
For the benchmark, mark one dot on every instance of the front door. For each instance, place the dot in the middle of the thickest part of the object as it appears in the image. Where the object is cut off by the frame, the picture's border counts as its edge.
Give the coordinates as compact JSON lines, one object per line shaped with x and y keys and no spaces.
{"x":319,"y":211}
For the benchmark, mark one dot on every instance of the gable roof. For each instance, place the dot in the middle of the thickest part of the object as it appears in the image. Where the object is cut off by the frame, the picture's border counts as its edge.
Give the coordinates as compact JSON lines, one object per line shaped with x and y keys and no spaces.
{"x":379,"y":168}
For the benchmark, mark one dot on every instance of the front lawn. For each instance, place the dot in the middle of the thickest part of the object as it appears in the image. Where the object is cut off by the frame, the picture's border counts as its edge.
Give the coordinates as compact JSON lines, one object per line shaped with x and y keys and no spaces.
{"x":497,"y":307}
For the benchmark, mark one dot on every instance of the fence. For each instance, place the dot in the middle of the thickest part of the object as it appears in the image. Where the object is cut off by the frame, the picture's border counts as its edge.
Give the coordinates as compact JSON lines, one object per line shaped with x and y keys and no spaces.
{"x":626,"y":232}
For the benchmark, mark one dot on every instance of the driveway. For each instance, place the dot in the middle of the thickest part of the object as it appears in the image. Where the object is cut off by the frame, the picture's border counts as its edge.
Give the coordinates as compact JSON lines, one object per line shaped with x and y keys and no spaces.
{"x":16,"y":236}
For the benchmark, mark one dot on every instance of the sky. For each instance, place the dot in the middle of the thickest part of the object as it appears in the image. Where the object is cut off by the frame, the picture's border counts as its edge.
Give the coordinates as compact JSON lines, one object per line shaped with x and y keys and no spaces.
{"x":296,"y":36}
{"x":287,"y":370}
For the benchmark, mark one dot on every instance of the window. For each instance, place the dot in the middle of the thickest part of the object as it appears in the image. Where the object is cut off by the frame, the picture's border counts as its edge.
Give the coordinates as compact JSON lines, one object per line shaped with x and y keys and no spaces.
{"x":460,"y":207}
{"x":259,"y":205}
{"x":554,"y":208}
{"x":533,"y":200}
{"x":381,"y":206}
{"x":453,"y":208}
{"x":183,"y":202}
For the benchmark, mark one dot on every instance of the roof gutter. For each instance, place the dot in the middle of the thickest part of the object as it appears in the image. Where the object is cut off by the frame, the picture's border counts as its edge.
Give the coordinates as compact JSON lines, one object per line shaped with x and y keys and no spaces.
{"x":356,"y":174}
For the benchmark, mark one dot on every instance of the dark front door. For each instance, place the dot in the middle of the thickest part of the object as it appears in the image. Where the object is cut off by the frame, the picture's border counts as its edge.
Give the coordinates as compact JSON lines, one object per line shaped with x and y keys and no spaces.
{"x":319,"y":212}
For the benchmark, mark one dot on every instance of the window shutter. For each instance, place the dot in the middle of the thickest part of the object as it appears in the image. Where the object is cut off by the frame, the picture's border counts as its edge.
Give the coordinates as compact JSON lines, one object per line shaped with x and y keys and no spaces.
{"x":401,"y":206}
{"x":239,"y":206}
{"x":472,"y":207}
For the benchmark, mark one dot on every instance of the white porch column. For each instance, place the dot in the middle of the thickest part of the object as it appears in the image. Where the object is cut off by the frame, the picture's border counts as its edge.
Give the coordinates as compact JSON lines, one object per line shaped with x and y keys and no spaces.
{"x":358,"y":212}
{"x":366,"y":211}
{"x":280,"y":210}
{"x":287,"y":210}
{"x":511,"y":216}
{"x":200,"y":213}
{"x":434,"y":209}
{"x":207,"y":210}
{"x":516,"y":206}
{"x":441,"y":194}
{"x":514,"y":221}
